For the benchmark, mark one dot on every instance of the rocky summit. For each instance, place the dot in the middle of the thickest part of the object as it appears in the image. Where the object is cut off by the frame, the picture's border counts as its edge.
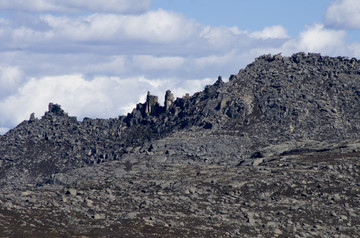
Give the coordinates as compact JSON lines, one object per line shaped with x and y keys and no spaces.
{"x":273,"y":152}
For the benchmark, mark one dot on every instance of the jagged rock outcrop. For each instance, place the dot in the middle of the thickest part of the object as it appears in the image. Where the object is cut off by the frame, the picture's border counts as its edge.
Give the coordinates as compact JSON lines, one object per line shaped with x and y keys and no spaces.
{"x":273,"y":100}
{"x":267,"y":148}
{"x":169,"y":98}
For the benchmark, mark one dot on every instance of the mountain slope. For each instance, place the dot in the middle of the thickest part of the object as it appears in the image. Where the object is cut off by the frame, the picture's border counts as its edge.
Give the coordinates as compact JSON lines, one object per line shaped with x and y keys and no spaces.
{"x":278,"y":117}
{"x":274,"y":99}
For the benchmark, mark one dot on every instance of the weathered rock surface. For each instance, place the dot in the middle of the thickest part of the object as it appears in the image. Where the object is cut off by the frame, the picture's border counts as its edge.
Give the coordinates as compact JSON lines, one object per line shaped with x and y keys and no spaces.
{"x":274,"y":152}
{"x":300,"y":195}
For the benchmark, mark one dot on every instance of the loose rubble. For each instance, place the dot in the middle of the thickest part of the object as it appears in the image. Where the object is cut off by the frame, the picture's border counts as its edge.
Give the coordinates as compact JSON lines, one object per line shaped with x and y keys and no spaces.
{"x":271,"y":153}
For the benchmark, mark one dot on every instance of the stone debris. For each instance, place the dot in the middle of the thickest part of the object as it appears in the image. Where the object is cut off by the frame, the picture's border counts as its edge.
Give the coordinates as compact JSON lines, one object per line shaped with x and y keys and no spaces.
{"x":156,"y":199}
{"x":272,"y":153}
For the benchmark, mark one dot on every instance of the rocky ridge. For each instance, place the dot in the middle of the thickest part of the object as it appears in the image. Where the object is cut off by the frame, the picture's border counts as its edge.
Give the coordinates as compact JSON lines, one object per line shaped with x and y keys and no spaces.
{"x":272,"y":152}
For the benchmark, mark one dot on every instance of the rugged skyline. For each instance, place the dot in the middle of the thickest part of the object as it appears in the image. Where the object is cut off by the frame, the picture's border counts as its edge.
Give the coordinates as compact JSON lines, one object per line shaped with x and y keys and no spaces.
{"x":274,"y":152}
{"x":98,"y":59}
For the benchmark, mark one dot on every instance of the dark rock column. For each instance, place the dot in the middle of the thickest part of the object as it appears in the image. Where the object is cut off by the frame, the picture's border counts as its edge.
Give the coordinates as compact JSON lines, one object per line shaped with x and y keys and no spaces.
{"x":169,"y":98}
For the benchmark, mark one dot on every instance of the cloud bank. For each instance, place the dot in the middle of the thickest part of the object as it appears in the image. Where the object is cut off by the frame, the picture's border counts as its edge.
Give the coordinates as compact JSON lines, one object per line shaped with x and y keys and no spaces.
{"x":344,"y":14}
{"x":100,"y":64}
{"x":118,"y":6}
{"x":317,"y":38}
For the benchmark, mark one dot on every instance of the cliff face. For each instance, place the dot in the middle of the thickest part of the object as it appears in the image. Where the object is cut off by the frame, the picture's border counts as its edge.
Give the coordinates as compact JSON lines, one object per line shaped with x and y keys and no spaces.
{"x":276,"y":111}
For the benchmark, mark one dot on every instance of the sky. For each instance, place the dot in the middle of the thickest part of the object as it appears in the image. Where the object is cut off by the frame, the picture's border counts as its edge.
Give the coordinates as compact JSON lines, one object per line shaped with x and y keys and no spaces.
{"x":98,"y":58}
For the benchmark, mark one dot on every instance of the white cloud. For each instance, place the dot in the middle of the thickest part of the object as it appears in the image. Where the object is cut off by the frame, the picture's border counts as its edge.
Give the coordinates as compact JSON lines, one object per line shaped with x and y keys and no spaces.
{"x":344,"y":14}
{"x":99,"y":97}
{"x":216,"y":36}
{"x":271,"y":32}
{"x":154,"y":27}
{"x":35,"y":5}
{"x":317,"y":38}
{"x":159,"y":26}
{"x":119,"y":6}
{"x":10,"y":80}
{"x":155,"y":32}
{"x":355,"y":49}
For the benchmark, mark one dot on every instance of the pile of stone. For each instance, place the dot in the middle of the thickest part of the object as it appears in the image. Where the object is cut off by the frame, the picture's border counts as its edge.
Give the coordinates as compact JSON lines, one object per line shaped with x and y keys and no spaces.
{"x":272,"y":152}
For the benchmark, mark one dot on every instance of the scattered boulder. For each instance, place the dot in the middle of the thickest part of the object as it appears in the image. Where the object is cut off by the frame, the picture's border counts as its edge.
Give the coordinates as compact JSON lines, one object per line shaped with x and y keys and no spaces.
{"x":273,"y":152}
